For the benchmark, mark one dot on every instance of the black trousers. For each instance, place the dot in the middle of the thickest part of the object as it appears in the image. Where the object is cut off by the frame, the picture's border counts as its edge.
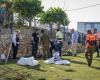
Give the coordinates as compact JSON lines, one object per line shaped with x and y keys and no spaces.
{"x":15,"y":50}
{"x":34,"y":50}
{"x":52,"y":48}
{"x":97,"y":50}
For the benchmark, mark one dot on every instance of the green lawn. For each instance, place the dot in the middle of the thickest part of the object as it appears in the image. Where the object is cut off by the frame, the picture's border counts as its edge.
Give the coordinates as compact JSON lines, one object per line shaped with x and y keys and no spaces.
{"x":78,"y":70}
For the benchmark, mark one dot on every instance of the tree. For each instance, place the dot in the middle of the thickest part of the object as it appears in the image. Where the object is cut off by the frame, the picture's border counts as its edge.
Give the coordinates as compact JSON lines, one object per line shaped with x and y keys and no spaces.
{"x":6,"y":13}
{"x":28,"y":9}
{"x":54,"y":15}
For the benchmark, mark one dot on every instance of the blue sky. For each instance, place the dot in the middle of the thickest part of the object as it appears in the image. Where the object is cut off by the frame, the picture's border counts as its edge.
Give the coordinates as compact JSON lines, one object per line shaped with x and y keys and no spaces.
{"x":91,"y":14}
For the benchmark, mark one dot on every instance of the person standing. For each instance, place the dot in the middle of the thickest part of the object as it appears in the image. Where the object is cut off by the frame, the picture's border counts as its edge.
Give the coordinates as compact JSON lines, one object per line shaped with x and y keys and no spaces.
{"x":90,"y":44}
{"x":52,"y":47}
{"x":35,"y":41}
{"x":97,"y":44}
{"x":45,"y":40}
{"x":59,"y":37}
{"x":74,"y":40}
{"x":15,"y":43}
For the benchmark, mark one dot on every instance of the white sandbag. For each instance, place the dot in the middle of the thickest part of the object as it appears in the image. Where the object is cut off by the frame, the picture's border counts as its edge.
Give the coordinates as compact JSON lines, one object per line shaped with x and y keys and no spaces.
{"x":50,"y":61}
{"x":3,"y":57}
{"x":64,"y":62}
{"x":56,"y":60}
{"x":27,"y":61}
{"x":56,"y":56}
{"x":32,"y":62}
{"x":22,"y":61}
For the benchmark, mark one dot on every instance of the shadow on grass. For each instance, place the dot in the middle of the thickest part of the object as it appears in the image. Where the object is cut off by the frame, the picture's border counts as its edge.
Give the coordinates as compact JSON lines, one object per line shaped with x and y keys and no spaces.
{"x":14,"y":61}
{"x":70,"y":70}
{"x":78,"y":62}
{"x":42,"y":79}
{"x":84,"y":58}
{"x":94,"y":67}
{"x":37,"y":67}
{"x":10,"y":61}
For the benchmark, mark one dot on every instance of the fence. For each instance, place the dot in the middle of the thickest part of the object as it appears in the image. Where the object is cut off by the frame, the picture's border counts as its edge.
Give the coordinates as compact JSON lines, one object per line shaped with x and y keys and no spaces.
{"x":25,"y":41}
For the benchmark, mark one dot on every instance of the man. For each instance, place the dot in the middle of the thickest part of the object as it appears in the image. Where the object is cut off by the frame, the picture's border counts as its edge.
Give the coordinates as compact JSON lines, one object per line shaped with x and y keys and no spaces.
{"x":97,"y":44}
{"x":35,"y":40}
{"x":90,"y":43}
{"x":59,"y":37}
{"x":74,"y":40}
{"x":15,"y":43}
{"x":45,"y":40}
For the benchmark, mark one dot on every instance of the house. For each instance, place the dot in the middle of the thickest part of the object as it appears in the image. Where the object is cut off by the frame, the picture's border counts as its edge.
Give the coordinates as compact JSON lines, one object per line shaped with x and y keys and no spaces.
{"x":84,"y":26}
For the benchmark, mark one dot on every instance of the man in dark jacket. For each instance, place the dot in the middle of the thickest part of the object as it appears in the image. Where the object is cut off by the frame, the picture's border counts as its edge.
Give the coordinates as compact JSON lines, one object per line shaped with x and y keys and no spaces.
{"x":35,"y":40}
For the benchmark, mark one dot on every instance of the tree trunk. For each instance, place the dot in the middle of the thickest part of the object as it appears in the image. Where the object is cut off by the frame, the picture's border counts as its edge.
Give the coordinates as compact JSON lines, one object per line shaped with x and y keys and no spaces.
{"x":58,"y":25}
{"x":51,"y":27}
{"x":11,"y":22}
{"x":30,"y":24}
{"x":51,"y":31}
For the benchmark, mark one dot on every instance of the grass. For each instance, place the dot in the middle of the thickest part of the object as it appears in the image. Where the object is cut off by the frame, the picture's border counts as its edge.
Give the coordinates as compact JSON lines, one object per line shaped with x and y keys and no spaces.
{"x":77,"y":70}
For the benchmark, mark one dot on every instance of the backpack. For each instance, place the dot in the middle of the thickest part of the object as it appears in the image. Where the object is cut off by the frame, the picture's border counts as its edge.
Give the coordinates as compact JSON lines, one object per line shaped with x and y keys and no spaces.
{"x":92,"y":40}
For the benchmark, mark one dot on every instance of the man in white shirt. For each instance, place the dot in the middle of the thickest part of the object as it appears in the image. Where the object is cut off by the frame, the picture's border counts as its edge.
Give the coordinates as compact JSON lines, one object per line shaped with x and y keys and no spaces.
{"x":15,"y":43}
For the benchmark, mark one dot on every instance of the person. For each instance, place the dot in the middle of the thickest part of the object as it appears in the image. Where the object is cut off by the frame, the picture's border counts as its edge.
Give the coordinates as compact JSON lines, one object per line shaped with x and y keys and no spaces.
{"x":68,"y":39}
{"x":74,"y":40}
{"x":35,"y":41}
{"x":59,"y":37}
{"x":90,"y":43}
{"x":97,"y":44}
{"x":15,"y":43}
{"x":52,"y":47}
{"x":45,"y":40}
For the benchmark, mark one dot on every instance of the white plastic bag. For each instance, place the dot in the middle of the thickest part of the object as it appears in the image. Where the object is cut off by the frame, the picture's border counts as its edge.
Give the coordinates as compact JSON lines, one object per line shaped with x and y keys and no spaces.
{"x":50,"y":61}
{"x":64,"y":62}
{"x":22,"y":61}
{"x":3,"y":56}
{"x":32,"y":62}
{"x":56,"y":56}
{"x":27,"y":61}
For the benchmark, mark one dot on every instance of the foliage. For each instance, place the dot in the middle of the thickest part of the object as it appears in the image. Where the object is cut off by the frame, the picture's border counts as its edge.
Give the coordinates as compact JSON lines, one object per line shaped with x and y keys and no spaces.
{"x":28,"y":9}
{"x":6,"y":12}
{"x":54,"y":15}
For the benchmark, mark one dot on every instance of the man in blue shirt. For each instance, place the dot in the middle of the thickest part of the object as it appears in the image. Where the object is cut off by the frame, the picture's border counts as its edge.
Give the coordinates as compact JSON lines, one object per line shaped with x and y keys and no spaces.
{"x":74,"y":41}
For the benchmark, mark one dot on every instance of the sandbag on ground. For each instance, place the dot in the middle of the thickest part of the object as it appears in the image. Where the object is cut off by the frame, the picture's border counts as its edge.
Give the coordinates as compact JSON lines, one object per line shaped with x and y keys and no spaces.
{"x":27,"y":61}
{"x":56,"y":60}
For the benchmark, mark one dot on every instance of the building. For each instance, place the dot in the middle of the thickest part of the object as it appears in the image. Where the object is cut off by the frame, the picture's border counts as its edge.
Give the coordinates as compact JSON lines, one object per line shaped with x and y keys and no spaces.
{"x":82,"y":27}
